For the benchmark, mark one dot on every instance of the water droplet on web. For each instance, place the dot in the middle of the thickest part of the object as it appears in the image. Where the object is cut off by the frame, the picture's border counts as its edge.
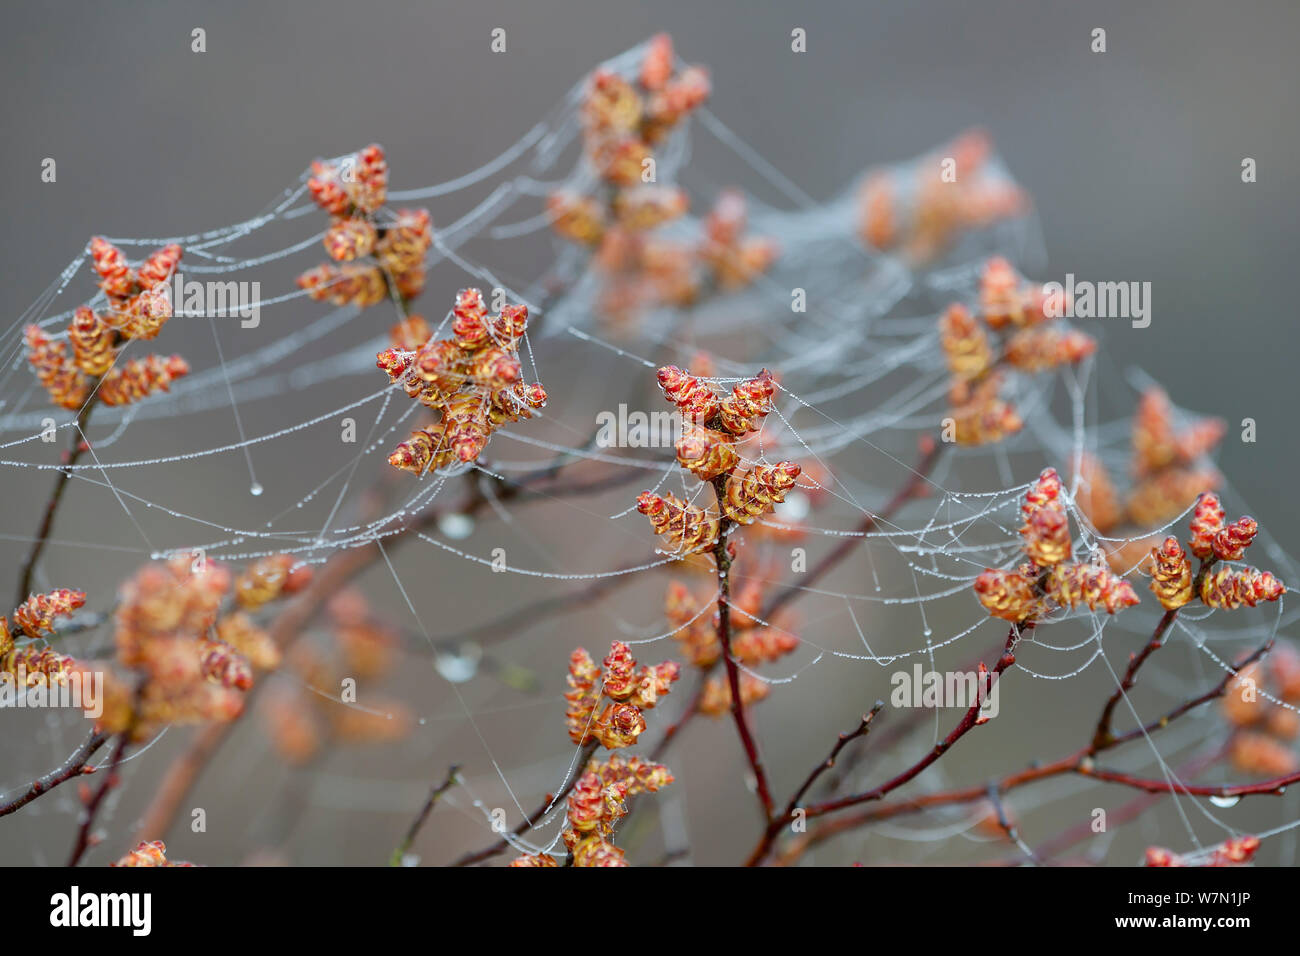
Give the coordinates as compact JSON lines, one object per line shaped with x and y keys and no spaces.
{"x":1225,"y":801}
{"x":460,"y":666}
{"x":423,"y":721}
{"x":927,"y":632}
{"x":255,"y":489}
{"x":456,"y":526}
{"x":410,"y":859}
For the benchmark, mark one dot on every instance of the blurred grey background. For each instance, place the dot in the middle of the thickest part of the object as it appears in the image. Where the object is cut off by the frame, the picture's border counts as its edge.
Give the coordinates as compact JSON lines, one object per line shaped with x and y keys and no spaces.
{"x":1132,"y":157}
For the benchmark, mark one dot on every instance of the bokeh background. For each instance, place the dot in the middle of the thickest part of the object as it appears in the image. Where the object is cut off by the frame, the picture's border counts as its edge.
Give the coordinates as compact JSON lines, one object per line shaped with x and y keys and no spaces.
{"x":1132,"y":157}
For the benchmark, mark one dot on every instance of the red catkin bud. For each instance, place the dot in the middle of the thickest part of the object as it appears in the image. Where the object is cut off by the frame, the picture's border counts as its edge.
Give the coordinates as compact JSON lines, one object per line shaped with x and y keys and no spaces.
{"x":1008,"y":595}
{"x":705,"y":452}
{"x":748,"y":403}
{"x":1171,"y":574}
{"x":1207,"y":519}
{"x":696,"y":400}
{"x":687,"y":528}
{"x":756,"y":491}
{"x":1230,"y":543}
{"x":36,"y":615}
{"x":1096,"y":587}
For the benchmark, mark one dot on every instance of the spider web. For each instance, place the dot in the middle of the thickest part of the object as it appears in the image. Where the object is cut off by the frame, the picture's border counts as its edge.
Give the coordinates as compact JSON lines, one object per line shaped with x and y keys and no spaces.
{"x":242,"y":459}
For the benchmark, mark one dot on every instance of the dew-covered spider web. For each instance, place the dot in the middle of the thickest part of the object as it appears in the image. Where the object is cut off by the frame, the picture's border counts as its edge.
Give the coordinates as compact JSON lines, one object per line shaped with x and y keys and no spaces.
{"x":484,"y":575}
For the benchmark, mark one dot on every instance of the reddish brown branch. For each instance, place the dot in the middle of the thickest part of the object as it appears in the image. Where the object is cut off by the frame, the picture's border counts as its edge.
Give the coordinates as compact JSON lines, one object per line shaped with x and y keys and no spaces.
{"x":1078,"y":762}
{"x":970,"y":720}
{"x":722,"y":559}
{"x":79,"y":445}
{"x":91,"y":810}
{"x":778,"y":823}
{"x":74,"y":766}
{"x":1103,"y":735}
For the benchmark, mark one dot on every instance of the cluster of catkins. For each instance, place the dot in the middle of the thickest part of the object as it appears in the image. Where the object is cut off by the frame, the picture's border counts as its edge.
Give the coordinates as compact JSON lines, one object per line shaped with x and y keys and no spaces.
{"x":1261,"y":706}
{"x":1049,"y":576}
{"x":1213,"y":540}
{"x":372,"y":249}
{"x":752,"y":643}
{"x":597,"y":803}
{"x":623,"y":121}
{"x":918,"y":211}
{"x":1263,"y":729}
{"x":139,"y":304}
{"x":474,"y":379}
{"x":598,"y":800}
{"x":642,"y":270}
{"x":1167,"y":477}
{"x":185,"y":631}
{"x":1234,"y":851}
{"x":302,"y":724}
{"x":1013,"y":330}
{"x":707,"y":448}
{"x":32,"y":663}
{"x":625,"y":689}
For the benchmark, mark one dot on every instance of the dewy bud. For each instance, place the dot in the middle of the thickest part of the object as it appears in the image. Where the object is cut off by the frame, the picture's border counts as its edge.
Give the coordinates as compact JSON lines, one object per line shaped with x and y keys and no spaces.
{"x":1207,"y":519}
{"x":1008,"y":595}
{"x":688,"y":528}
{"x":1229,"y":589}
{"x":748,"y":403}
{"x":1171,"y":576}
{"x":696,"y":400}
{"x":36,"y":615}
{"x":757,"y":490}
{"x":705,"y":452}
{"x":1230,"y":543}
{"x":1096,"y":587}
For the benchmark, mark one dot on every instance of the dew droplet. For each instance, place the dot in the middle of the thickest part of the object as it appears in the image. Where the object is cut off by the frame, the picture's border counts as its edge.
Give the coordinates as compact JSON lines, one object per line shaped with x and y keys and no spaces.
{"x":456,"y":526}
{"x":460,"y":666}
{"x":255,"y":489}
{"x":1225,"y":802}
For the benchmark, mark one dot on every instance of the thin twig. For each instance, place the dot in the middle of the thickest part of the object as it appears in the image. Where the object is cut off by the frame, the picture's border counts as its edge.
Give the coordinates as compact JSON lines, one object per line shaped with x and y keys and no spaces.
{"x":1081,"y":762}
{"x":863,"y":728}
{"x":74,"y":766}
{"x":92,"y":808}
{"x":399,"y":853}
{"x":1103,"y":733}
{"x":779,"y":823}
{"x":79,"y":445}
